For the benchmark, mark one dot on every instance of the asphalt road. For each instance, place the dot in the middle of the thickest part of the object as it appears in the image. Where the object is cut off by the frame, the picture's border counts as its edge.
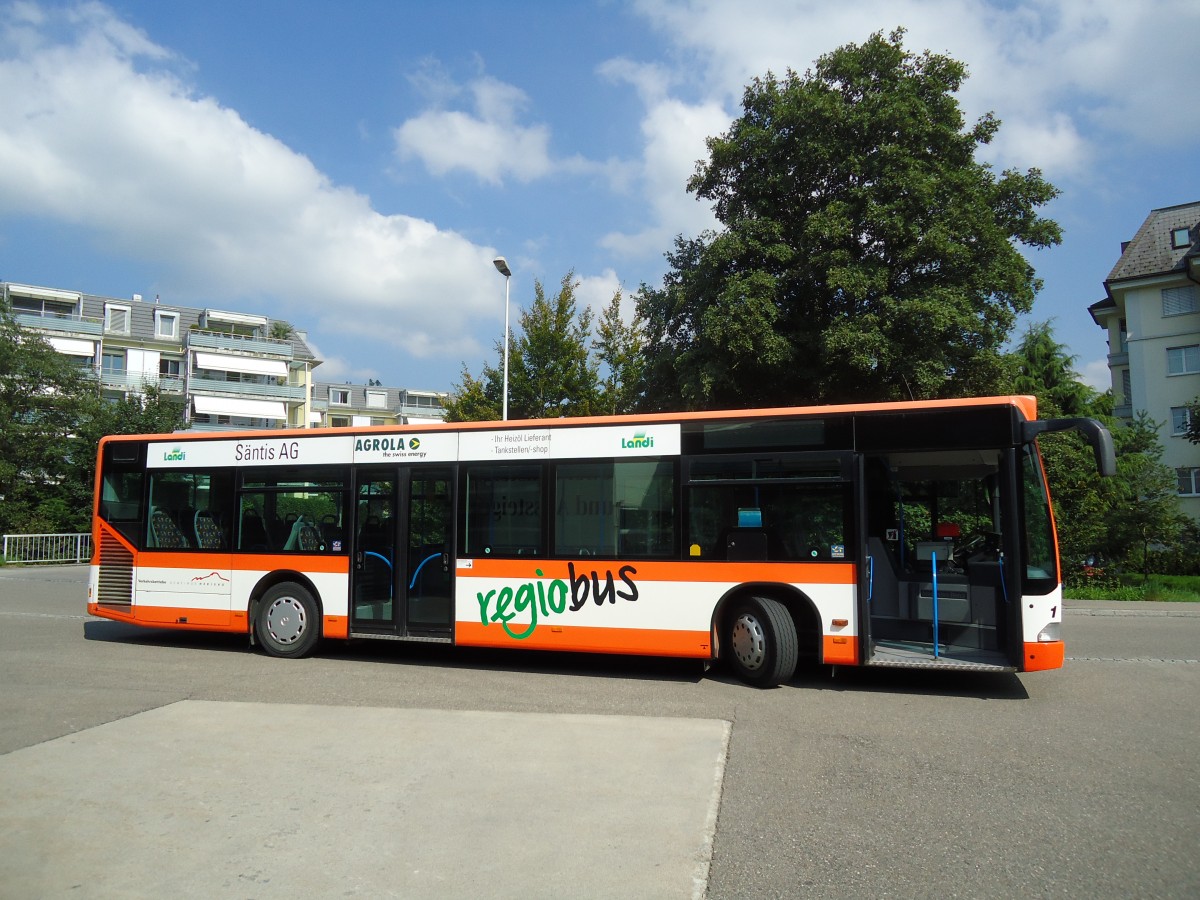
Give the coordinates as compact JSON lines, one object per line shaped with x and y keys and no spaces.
{"x":1083,"y":782}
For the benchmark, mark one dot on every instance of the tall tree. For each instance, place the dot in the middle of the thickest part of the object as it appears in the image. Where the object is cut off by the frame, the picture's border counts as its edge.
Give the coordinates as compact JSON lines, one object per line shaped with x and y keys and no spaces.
{"x":865,"y":253}
{"x":52,"y":420}
{"x":619,"y":351}
{"x":43,"y":396}
{"x":551,"y":371}
{"x":1046,"y":369}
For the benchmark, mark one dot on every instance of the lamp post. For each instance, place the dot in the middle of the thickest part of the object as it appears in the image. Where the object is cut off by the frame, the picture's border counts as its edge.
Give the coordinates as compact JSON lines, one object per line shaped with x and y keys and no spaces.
{"x":501,"y":265}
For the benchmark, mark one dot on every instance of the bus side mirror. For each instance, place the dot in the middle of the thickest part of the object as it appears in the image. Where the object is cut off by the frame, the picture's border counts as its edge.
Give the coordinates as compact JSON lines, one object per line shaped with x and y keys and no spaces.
{"x":1098,"y":437}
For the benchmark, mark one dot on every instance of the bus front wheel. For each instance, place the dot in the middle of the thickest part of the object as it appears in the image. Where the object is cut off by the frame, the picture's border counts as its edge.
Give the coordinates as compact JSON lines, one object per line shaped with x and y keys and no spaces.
{"x":287,"y":623}
{"x":761,"y":642}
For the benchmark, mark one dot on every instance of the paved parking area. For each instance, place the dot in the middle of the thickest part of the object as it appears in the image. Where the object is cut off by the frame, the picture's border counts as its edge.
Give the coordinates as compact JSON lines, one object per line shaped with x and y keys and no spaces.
{"x":155,"y":761}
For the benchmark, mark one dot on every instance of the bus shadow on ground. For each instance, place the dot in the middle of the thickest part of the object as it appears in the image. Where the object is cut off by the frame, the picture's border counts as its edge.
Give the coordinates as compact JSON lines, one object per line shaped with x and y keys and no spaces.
{"x":106,"y":631}
{"x":543,"y":662}
{"x":924,"y":682}
{"x":978,"y":685}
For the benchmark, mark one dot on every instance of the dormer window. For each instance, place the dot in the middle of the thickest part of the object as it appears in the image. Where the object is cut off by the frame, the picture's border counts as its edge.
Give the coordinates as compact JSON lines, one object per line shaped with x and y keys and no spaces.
{"x":1181,"y":238}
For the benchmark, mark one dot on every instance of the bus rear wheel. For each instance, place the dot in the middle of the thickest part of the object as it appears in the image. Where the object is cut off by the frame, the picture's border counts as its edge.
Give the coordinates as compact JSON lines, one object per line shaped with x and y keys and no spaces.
{"x":760,"y":642}
{"x":287,"y":623}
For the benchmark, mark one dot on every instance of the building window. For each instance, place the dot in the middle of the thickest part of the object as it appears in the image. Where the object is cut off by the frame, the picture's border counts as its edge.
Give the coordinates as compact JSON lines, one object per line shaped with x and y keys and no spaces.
{"x":113,"y":362}
{"x":1180,"y":420}
{"x":339,"y":421}
{"x":376,"y":399}
{"x":166,"y":325}
{"x":116,"y":319}
{"x":1189,"y":481}
{"x":169,"y":368}
{"x":1178,"y":301}
{"x":340,"y":396}
{"x":1183,"y":360}
{"x":1180,"y":238}
{"x":1126,"y":388}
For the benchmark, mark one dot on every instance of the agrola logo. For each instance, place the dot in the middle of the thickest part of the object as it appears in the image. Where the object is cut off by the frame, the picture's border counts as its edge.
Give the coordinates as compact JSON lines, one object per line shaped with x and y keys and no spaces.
{"x":385,"y":444}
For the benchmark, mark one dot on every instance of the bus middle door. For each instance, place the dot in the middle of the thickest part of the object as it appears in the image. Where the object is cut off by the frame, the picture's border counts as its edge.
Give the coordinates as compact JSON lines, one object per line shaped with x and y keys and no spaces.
{"x":402,"y":579}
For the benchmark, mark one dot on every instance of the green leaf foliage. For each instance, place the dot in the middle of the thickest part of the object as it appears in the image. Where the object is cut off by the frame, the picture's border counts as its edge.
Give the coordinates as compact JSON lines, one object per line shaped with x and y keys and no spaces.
{"x":556,"y":367}
{"x":51,"y":420}
{"x":865,"y":254}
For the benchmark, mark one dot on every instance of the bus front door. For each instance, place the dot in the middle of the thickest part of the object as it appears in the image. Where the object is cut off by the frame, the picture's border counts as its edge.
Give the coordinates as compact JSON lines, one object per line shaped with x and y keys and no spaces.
{"x":403,"y":578}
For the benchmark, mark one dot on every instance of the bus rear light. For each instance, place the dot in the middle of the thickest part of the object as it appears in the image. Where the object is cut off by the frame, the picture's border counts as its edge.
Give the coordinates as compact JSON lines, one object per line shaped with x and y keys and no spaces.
{"x":1052,"y":632}
{"x":840,"y":623}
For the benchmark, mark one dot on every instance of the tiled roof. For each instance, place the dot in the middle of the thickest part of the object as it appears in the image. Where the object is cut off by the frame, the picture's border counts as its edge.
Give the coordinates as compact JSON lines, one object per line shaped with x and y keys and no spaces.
{"x":1150,"y":252}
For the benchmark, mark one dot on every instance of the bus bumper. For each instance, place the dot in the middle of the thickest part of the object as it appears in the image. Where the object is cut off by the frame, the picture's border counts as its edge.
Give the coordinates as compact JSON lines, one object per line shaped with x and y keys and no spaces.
{"x":1044,"y":655}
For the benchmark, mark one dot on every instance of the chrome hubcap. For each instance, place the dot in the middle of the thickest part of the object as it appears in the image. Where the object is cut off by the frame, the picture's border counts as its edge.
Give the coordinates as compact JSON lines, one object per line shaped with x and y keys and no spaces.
{"x":286,"y":620}
{"x":749,"y":641}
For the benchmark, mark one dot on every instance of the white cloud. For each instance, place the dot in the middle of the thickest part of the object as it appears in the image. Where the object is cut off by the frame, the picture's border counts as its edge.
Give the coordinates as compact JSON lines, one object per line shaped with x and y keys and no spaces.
{"x":488,"y":142}
{"x":1067,"y":77}
{"x":95,"y":129}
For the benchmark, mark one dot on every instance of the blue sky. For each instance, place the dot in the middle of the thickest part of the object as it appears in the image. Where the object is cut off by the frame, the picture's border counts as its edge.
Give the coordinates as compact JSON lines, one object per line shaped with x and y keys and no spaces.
{"x":353,"y":167}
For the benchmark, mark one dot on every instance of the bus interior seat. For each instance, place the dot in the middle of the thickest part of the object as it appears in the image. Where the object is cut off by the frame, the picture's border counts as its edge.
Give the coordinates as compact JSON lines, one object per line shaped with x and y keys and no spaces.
{"x":165,"y":533}
{"x":304,"y":536}
{"x":330,"y":530}
{"x":208,"y":532}
{"x":254,"y":532}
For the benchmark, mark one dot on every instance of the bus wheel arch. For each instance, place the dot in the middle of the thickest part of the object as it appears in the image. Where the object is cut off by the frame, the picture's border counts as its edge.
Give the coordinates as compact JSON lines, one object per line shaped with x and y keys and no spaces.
{"x":762,"y":631}
{"x":285,"y":615}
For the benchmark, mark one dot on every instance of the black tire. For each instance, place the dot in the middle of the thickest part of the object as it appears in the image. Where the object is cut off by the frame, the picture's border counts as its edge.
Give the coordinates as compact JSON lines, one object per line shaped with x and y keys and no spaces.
{"x":288,"y":623}
{"x":760,"y":641}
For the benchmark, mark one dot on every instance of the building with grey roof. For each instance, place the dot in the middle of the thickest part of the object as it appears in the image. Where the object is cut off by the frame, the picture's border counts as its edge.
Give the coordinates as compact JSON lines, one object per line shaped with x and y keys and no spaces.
{"x":1151,"y":312}
{"x":234,"y":370}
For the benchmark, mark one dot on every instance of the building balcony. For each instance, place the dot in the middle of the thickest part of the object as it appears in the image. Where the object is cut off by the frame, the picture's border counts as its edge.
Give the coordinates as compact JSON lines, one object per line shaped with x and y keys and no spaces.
{"x":293,"y":393}
{"x":61,"y":322}
{"x":1123,"y":412}
{"x":205,"y":426}
{"x":136,"y":381}
{"x":211,"y":340}
{"x":1118,"y":359}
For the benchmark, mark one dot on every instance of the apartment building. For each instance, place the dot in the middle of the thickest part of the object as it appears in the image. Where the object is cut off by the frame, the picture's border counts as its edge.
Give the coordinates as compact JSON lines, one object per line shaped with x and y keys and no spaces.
{"x":339,"y":405}
{"x":1152,"y":316}
{"x":234,"y":370}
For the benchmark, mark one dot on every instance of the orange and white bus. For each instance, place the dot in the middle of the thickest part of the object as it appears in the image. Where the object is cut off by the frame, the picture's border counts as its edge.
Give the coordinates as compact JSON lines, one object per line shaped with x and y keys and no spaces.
{"x":894,"y":534}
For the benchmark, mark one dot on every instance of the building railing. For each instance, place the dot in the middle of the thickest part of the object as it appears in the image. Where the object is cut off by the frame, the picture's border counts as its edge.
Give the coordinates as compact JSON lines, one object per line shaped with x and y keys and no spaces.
{"x":70,"y":324}
{"x":243,"y":388}
{"x":136,"y":381}
{"x":212,"y":426}
{"x":212,"y":340}
{"x":60,"y":549}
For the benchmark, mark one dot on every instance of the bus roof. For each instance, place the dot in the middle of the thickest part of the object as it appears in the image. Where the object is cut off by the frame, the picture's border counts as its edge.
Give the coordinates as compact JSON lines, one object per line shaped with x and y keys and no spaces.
{"x":1025,"y":405}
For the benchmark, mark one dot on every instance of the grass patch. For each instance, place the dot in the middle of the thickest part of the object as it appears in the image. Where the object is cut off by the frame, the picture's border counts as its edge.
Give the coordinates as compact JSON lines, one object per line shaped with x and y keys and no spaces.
{"x":1165,"y":588}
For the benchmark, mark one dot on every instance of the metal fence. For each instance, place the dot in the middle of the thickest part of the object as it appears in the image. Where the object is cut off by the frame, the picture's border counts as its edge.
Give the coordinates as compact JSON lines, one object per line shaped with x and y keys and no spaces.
{"x":47,"y":548}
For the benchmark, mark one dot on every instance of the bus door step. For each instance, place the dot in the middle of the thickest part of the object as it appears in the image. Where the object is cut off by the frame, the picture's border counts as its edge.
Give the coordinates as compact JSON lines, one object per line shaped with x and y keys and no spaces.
{"x":411,"y":638}
{"x":916,"y":656}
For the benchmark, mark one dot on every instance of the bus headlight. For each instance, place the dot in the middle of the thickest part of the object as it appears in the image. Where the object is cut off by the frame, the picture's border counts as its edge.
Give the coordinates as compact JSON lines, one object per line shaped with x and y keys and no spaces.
{"x":1052,"y":632}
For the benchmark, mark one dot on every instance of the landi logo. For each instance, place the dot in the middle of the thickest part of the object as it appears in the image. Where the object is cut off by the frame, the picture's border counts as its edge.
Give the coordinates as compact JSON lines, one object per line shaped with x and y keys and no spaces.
{"x":640,"y":441}
{"x":174,"y":455}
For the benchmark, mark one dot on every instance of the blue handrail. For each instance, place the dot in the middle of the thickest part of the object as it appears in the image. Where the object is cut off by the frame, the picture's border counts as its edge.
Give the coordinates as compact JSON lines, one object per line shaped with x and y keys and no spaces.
{"x":378,"y":556}
{"x":413,"y":583}
{"x":933,"y":562}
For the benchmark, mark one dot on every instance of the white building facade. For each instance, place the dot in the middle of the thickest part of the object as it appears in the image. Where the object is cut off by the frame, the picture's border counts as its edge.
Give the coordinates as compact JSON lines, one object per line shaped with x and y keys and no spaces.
{"x":1152,"y":316}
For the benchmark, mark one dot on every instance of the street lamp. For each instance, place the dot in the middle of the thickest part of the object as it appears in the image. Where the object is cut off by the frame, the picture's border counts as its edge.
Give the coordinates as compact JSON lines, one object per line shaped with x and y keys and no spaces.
{"x":501,"y":265}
